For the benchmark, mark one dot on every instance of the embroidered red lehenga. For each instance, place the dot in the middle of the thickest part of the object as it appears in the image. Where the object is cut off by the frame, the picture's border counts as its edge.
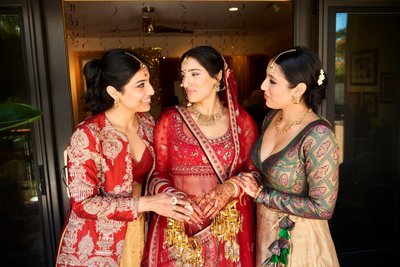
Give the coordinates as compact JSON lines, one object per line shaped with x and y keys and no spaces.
{"x":182,"y":166}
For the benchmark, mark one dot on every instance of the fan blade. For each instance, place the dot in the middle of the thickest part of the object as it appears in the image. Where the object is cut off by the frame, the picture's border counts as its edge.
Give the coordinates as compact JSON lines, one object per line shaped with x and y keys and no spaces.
{"x":160,"y":29}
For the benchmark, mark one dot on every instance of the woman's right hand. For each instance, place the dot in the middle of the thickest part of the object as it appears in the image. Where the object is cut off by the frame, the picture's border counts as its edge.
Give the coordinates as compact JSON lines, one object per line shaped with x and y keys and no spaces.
{"x":163,"y":204}
{"x":248,"y":183}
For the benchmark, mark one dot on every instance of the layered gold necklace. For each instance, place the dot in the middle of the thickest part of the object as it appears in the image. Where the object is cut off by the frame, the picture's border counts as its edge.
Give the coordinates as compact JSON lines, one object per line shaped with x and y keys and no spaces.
{"x":287,"y":128}
{"x":206,"y":120}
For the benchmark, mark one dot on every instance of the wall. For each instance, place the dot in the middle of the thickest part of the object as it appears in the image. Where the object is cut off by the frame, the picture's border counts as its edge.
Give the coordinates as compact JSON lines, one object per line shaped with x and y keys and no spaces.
{"x":174,"y":46}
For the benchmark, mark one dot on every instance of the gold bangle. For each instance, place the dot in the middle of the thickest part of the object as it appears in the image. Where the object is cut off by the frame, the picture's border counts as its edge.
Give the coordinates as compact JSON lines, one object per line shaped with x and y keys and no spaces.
{"x":234,"y":186}
{"x":260,"y":188}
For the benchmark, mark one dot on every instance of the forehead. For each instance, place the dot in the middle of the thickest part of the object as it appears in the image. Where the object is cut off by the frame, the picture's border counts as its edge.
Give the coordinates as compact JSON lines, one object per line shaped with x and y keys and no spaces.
{"x":141,"y":74}
{"x":190,"y":63}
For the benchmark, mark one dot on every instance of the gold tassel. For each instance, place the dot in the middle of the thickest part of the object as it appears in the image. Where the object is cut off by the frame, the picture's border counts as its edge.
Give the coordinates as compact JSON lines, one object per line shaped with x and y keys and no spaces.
{"x":225,"y":227}
{"x":185,"y":250}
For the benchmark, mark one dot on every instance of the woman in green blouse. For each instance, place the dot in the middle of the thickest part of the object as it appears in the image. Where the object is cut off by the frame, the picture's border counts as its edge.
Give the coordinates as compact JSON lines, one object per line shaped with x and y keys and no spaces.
{"x":298,"y":157}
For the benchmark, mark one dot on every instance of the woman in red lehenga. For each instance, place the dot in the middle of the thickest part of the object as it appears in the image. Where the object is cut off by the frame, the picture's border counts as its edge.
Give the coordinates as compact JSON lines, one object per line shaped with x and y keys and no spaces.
{"x":110,"y":155}
{"x":199,"y":151}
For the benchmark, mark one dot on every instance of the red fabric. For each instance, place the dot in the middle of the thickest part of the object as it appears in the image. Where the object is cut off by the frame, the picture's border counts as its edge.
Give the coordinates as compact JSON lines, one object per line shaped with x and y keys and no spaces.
{"x":100,"y":179}
{"x":181,"y":165}
{"x":142,"y":168}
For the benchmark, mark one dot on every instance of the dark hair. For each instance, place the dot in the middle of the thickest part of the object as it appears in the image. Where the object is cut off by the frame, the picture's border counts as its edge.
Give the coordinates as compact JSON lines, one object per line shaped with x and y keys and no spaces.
{"x":116,"y":68}
{"x":209,"y":58}
{"x":301,"y":65}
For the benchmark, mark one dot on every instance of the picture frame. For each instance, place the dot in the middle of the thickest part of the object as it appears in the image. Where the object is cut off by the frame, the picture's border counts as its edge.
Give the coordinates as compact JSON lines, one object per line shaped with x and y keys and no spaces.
{"x":354,"y":100}
{"x":363,"y":67}
{"x":370,"y":101}
{"x":388,"y":87}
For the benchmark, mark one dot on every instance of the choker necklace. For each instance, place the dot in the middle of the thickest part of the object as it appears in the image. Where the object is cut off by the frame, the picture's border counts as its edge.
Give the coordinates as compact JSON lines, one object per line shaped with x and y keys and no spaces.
{"x":284,"y":130}
{"x":206,"y":120}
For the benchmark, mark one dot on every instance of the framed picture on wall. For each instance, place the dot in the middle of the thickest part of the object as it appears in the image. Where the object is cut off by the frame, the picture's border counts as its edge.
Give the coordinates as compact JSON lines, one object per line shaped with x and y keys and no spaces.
{"x":370,"y":102}
{"x":363,"y":67}
{"x":388,"y":87}
{"x":354,"y":100}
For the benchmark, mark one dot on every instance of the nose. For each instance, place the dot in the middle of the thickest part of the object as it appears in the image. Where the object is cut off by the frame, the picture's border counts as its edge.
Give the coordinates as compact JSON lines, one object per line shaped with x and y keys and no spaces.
{"x":186,"y":83}
{"x":264,"y":85}
{"x":150,"y":90}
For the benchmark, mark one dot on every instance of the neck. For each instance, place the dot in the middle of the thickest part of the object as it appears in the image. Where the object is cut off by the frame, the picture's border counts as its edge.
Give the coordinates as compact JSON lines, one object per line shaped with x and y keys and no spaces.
{"x":208,"y":107}
{"x":122,"y":120}
{"x":292,"y":114}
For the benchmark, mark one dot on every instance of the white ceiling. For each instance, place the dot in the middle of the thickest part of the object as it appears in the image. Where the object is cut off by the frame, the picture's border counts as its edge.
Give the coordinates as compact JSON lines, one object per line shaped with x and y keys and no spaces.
{"x":124,"y":18}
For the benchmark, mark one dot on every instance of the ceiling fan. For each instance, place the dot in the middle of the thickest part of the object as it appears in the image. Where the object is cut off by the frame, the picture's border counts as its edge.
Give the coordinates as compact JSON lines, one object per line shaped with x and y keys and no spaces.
{"x":149,"y":25}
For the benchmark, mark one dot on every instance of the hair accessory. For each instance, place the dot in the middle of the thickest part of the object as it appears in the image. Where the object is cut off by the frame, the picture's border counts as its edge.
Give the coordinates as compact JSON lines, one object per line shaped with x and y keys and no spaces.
{"x":271,"y":67}
{"x":140,"y":62}
{"x":321,"y":77}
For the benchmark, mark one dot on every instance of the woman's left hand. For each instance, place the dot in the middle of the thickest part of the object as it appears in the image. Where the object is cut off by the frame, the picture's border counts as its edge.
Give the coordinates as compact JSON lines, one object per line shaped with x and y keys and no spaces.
{"x":248,"y":183}
{"x":215,"y":200}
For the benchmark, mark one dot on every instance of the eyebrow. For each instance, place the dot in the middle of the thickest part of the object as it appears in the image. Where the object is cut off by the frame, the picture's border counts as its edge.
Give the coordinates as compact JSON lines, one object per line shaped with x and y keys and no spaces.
{"x":141,"y":81}
{"x":191,"y":70}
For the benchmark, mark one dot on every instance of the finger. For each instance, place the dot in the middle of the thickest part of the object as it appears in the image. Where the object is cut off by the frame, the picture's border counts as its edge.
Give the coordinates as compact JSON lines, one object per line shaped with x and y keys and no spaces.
{"x":196,"y":218}
{"x":210,"y":209}
{"x":197,"y":210}
{"x":179,"y":216}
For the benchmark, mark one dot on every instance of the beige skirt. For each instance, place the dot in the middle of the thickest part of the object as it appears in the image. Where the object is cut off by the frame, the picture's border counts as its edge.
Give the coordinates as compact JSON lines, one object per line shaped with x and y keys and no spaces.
{"x":132,"y":251}
{"x":311,"y":243}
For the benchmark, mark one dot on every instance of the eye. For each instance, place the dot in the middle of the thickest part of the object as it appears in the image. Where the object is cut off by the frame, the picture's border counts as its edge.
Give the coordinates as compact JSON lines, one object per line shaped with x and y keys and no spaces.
{"x":194,"y":74}
{"x":141,"y":85}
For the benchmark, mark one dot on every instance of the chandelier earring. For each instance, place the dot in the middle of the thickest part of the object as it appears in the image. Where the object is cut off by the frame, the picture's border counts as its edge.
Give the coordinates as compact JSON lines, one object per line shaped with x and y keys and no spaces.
{"x":295,"y":99}
{"x":217,"y":87}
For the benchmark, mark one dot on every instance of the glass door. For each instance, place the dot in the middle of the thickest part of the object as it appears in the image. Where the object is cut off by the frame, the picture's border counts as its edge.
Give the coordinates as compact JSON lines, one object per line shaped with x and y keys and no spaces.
{"x":27,"y":218}
{"x":363,"y":58}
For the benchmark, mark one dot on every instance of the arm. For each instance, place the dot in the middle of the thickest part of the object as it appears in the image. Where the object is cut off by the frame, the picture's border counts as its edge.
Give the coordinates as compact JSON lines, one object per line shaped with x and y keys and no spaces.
{"x":321,"y":153}
{"x":84,"y":174}
{"x":160,"y":180}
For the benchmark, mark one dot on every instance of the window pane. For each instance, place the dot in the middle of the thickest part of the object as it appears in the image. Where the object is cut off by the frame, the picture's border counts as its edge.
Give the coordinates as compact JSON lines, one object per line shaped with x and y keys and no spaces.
{"x":20,"y":224}
{"x":367,"y":124}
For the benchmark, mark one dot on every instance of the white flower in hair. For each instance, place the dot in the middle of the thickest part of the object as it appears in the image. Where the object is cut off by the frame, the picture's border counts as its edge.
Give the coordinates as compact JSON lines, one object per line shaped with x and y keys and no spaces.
{"x":321,"y":77}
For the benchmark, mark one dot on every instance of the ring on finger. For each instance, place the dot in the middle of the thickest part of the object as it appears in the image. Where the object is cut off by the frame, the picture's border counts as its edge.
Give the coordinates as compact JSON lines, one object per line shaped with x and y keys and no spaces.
{"x":174,"y":201}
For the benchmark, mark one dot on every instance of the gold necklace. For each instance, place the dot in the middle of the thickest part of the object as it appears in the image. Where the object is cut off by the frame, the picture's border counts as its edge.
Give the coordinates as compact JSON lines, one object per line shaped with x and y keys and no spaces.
{"x":284,"y":130}
{"x":206,"y":120}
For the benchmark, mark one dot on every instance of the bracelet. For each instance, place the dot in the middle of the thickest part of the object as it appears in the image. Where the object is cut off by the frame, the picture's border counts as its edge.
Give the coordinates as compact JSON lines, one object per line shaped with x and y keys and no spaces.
{"x":260,"y":188}
{"x":235,"y":188}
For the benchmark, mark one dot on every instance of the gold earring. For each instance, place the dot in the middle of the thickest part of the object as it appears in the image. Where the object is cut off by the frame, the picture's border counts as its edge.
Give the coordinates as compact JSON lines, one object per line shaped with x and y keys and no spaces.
{"x":116,"y":102}
{"x":217,"y":87}
{"x":295,"y":100}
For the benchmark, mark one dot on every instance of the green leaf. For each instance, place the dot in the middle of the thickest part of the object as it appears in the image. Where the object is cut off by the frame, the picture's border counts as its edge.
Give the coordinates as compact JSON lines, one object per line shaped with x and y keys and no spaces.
{"x":13,"y":115}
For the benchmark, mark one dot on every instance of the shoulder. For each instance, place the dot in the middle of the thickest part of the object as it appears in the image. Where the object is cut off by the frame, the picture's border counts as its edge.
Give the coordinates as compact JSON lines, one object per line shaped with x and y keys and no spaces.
{"x":146,"y":118}
{"x":167,"y":114}
{"x":92,"y":124}
{"x":243,"y":115}
{"x":318,"y":135}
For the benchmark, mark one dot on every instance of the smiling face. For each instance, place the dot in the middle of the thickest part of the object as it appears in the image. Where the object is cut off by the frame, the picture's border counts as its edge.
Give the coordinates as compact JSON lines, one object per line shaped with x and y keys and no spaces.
{"x":137,"y":93}
{"x":197,"y":82}
{"x":277,"y":92}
